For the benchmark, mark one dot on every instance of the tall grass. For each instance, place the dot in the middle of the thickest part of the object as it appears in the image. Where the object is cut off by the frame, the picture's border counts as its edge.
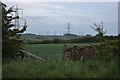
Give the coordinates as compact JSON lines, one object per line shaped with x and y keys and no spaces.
{"x":96,"y":67}
{"x":60,"y":69}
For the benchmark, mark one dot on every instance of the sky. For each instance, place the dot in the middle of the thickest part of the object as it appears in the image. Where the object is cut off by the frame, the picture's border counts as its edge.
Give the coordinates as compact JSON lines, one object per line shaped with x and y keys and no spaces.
{"x":52,"y":17}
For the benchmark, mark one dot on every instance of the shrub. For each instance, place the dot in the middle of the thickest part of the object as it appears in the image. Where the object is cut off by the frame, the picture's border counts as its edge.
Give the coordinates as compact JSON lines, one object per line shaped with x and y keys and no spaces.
{"x":105,"y":52}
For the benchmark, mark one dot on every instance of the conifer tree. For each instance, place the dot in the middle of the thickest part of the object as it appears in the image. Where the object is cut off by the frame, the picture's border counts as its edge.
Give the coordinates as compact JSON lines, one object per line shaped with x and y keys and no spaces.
{"x":11,"y":42}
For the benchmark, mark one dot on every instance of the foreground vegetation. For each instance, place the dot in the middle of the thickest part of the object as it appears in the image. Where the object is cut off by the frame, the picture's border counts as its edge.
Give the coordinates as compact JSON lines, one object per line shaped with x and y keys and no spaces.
{"x":103,"y":65}
{"x":60,"y":69}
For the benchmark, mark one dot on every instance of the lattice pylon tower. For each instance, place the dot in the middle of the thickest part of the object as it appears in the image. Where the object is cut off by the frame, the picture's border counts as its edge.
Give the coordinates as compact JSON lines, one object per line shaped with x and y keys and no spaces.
{"x":68,"y":28}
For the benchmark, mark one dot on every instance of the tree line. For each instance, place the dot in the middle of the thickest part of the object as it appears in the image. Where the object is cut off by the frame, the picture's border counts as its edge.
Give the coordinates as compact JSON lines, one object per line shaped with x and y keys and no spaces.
{"x":93,"y":39}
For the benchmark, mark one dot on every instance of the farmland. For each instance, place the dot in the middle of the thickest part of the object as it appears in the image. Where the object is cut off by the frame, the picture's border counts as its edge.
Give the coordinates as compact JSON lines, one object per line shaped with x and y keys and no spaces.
{"x":48,"y":50}
{"x":46,"y":41}
{"x":55,"y":68}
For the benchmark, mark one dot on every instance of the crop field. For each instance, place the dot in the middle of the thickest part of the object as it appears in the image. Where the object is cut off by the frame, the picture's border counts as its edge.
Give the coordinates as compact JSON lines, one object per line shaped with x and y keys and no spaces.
{"x":55,"y":68}
{"x":48,"y":50}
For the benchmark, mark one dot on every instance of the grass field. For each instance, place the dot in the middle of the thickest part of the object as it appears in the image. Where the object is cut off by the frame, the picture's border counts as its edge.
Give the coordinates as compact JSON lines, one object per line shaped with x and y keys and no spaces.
{"x":48,"y":50}
{"x":55,"y":68}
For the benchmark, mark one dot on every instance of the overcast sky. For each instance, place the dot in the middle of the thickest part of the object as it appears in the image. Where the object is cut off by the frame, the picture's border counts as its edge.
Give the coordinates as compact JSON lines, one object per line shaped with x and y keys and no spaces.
{"x":52,"y":17}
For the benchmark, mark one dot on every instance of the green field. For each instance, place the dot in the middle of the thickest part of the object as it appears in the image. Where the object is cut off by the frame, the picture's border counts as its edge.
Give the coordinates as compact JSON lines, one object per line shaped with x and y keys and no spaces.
{"x":48,"y":50}
{"x":55,"y":68}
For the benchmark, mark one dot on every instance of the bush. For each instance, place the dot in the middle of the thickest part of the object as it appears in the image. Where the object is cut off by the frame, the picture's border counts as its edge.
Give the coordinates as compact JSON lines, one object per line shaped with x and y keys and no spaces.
{"x":105,"y":52}
{"x":112,"y":42}
{"x":54,"y":41}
